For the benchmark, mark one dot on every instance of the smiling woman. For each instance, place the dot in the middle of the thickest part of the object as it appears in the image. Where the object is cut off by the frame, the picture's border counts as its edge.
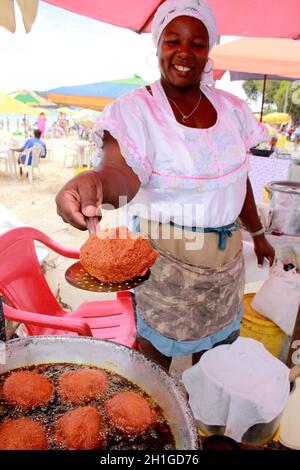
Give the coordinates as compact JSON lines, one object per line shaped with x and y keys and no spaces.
{"x":183,"y":54}
{"x":180,"y":149}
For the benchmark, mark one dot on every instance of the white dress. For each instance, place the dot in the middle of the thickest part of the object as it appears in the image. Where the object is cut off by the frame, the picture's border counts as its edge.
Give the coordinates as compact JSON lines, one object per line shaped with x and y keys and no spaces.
{"x":194,"y":177}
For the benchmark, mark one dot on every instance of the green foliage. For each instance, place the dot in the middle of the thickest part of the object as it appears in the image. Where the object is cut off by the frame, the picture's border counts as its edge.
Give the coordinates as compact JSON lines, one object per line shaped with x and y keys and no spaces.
{"x":293,"y":106}
{"x":251,"y":89}
{"x":275,"y":94}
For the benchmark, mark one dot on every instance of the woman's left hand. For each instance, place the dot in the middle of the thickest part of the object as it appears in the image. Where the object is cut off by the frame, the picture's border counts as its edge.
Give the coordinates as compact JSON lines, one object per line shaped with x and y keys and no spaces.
{"x":263,"y":249}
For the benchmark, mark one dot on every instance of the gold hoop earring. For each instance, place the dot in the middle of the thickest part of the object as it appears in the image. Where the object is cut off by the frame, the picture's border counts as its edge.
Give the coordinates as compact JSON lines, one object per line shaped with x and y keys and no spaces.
{"x":211,"y":68}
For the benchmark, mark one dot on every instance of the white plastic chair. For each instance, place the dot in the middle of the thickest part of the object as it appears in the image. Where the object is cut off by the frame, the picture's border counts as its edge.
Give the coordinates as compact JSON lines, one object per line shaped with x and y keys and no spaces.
{"x":36,"y":151}
{"x":49,"y":145}
{"x":71,"y":150}
{"x":89,"y":152}
{"x":4,"y":158}
{"x":12,"y":163}
{"x":7,"y":155}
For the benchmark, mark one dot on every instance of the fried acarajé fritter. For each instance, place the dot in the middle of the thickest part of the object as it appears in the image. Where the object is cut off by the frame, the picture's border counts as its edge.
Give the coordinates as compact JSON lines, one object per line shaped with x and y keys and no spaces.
{"x":116,"y":255}
{"x":79,"y":429}
{"x":129,"y":412}
{"x":27,"y":389}
{"x":22,"y":434}
{"x":81,"y":385}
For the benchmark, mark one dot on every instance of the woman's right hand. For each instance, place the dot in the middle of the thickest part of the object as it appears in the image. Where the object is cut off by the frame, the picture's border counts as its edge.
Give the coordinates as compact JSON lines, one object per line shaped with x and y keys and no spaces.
{"x":81,"y":197}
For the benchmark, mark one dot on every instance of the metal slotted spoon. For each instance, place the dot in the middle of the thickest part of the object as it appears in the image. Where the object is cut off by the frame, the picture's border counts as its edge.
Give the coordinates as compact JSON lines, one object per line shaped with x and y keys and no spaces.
{"x":77,"y":276}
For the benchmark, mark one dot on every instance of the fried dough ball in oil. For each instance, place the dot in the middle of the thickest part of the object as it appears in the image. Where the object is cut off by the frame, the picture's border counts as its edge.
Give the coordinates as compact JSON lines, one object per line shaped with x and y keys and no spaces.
{"x":129,"y":412}
{"x":27,"y":389}
{"x":79,"y":429}
{"x":81,"y":385}
{"x":22,"y":434}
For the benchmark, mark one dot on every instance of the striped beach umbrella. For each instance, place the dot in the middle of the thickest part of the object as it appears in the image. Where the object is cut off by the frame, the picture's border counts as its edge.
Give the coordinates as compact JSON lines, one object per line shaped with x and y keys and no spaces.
{"x":95,"y":95}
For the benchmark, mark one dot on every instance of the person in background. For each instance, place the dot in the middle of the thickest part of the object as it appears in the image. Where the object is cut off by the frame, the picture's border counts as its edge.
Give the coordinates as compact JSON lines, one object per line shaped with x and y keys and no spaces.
{"x":54,"y":130}
{"x":29,"y":128}
{"x":297,"y":136}
{"x":35,"y":140}
{"x":273,"y":142}
{"x":179,"y":150}
{"x":290,"y":132}
{"x":62,"y":125}
{"x":282,"y":129}
{"x":41,"y":124}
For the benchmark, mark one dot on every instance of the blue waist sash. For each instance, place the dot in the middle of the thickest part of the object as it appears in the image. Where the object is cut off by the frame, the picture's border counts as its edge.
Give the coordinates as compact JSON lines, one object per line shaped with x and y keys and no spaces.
{"x":224,"y":232}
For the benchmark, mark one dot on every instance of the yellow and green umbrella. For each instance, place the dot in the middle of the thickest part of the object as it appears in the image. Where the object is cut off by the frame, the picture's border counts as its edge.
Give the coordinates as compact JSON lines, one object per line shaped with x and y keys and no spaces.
{"x":25,"y":97}
{"x":31,"y":98}
{"x":9,"y":105}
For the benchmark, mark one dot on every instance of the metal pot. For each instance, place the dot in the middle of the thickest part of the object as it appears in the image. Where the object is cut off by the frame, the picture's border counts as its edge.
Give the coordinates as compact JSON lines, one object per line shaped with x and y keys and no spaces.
{"x":258,"y":434}
{"x":117,"y":358}
{"x":285,"y":204}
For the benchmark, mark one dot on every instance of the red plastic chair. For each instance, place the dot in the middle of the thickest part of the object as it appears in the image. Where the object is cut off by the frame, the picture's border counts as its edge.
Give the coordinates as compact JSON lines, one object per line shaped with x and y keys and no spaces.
{"x":31,"y":301}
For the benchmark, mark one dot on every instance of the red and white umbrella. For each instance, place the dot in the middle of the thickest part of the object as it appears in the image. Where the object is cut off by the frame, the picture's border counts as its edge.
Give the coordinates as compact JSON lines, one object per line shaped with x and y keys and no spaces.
{"x":256,"y":18}
{"x":263,"y":56}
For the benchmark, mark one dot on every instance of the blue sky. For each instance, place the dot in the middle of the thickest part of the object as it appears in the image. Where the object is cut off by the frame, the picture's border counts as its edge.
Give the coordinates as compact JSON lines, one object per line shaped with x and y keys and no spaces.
{"x":68,"y":49}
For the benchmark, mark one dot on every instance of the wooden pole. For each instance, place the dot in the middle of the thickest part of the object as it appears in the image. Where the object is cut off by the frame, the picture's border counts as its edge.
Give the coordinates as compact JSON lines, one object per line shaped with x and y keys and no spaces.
{"x":263,"y":98}
{"x":286,"y":98}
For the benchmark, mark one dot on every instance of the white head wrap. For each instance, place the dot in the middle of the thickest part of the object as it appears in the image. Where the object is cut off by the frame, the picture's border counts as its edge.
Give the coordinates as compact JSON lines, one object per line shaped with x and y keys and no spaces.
{"x":199,"y":9}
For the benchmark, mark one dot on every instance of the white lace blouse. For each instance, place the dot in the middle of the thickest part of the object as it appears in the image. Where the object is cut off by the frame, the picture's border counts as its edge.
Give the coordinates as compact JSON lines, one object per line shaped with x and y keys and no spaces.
{"x":188,"y":175}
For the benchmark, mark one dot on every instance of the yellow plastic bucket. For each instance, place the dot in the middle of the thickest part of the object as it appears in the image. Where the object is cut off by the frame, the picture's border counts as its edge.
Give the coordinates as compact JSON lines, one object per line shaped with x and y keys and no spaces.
{"x":256,"y":326}
{"x":79,"y":170}
{"x":266,"y":195}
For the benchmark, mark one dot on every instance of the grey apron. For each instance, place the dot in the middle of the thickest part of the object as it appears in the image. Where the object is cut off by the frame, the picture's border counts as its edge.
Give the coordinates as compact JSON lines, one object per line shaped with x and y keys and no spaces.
{"x":188,"y":299}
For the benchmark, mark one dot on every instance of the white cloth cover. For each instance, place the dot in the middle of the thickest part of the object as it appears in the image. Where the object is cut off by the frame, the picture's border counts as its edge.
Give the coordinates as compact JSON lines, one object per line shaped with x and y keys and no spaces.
{"x":237,"y":386}
{"x":279,"y":297}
